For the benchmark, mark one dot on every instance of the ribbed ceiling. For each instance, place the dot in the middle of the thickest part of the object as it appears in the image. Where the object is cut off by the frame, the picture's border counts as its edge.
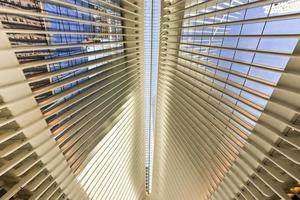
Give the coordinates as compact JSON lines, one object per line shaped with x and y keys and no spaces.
{"x":73,"y":79}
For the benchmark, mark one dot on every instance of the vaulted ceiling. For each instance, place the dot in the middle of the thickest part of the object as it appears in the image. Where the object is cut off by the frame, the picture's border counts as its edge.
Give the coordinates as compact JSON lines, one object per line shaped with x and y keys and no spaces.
{"x":162,"y":100}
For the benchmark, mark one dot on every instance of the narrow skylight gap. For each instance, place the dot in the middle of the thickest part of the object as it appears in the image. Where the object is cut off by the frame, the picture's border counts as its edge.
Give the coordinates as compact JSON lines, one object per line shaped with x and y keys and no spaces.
{"x":151,"y":50}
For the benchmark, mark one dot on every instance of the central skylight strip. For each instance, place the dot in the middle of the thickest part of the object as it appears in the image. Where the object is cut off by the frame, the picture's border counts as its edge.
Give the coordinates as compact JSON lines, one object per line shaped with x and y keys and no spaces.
{"x":151,"y":40}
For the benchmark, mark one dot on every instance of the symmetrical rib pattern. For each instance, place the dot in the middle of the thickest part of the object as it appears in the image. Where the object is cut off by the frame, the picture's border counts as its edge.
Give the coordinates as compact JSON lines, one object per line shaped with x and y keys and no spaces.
{"x":228,"y":100}
{"x":71,"y":106}
{"x":73,"y":110}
